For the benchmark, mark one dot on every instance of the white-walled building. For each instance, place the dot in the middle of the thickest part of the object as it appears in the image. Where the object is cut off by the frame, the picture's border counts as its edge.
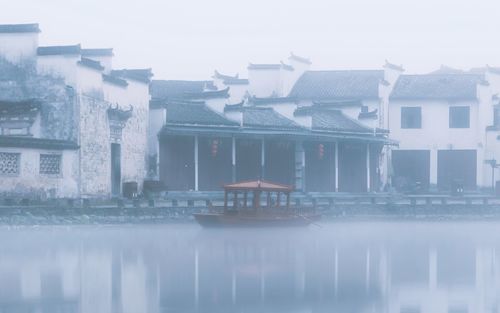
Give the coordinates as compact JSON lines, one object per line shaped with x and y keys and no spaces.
{"x":444,"y":123}
{"x":71,"y":125}
{"x":317,"y":130}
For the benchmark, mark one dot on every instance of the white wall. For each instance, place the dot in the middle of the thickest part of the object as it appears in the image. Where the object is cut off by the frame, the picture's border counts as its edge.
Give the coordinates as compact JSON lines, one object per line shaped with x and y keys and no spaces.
{"x":292,"y":76}
{"x":265,"y":83}
{"x":236,"y":93}
{"x":30,"y":182}
{"x":435,"y":133}
{"x":18,"y":47}
{"x":217,"y":104}
{"x":135,"y":133}
{"x":89,"y":81}
{"x":62,"y":66}
{"x":105,"y":60}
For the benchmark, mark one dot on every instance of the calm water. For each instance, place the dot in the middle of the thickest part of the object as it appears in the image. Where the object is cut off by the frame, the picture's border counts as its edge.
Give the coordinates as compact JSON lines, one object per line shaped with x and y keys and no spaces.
{"x":341,"y":267}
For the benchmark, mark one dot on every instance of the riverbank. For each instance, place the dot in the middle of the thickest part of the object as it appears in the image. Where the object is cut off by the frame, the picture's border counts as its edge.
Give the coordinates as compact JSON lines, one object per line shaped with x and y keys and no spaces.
{"x":130,"y":214}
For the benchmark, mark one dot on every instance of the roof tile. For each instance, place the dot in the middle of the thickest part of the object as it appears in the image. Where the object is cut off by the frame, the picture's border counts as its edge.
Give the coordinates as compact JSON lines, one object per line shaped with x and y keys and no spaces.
{"x":338,"y":85}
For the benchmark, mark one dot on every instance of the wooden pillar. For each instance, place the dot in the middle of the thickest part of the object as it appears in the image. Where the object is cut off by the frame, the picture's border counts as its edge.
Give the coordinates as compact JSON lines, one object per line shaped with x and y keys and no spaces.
{"x":196,"y":163}
{"x":233,"y":159}
{"x":288,"y":200}
{"x":235,"y":200}
{"x":262,"y":159}
{"x":336,"y":166}
{"x":225,"y":201}
{"x":256,"y":200}
{"x":245,"y":199}
{"x":368,"y":179}
{"x":278,"y":200}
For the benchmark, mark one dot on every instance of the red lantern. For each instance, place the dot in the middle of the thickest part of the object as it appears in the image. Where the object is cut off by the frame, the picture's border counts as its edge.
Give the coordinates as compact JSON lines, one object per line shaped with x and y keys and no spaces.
{"x":321,"y":151}
{"x":215,"y":147}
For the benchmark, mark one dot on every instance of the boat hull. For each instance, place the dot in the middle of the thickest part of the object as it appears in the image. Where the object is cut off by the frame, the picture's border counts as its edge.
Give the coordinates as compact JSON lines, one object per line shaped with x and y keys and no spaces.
{"x":236,"y":220}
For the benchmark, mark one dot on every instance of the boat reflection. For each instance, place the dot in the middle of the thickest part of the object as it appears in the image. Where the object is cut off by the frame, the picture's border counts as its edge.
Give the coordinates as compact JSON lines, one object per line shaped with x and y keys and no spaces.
{"x":344,"y":267}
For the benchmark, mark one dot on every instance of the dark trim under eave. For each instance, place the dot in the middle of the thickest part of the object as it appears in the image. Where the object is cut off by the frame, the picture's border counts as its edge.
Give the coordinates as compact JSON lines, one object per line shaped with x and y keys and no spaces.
{"x":36,"y":143}
{"x":298,"y":135}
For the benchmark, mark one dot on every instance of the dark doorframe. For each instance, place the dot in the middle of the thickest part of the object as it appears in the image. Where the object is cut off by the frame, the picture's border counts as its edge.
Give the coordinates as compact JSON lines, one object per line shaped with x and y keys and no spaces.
{"x":116,"y":170}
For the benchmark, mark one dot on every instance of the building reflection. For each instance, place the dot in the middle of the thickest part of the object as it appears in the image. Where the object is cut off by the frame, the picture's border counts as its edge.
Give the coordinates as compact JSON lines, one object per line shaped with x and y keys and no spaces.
{"x":220,"y":271}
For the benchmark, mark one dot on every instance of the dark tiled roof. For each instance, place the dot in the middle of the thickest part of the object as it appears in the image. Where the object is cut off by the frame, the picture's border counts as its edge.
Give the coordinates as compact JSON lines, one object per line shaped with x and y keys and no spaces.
{"x":59,"y":50}
{"x":300,"y":59}
{"x":271,"y":100}
{"x":9,"y":108}
{"x":209,"y":85}
{"x":195,"y":114}
{"x":224,"y":93}
{"x":36,"y":143}
{"x":114,"y":80}
{"x":19,"y":28}
{"x":437,"y":86}
{"x":118,"y":114}
{"x":224,"y":77}
{"x":266,"y":118}
{"x":338,"y":103}
{"x":233,"y":107}
{"x":281,"y":65}
{"x":368,"y":115}
{"x":98,"y":52}
{"x":140,"y":75}
{"x":236,"y":81}
{"x":335,"y":120}
{"x":338,"y":85}
{"x":96,"y":65}
{"x":325,"y":105}
{"x":175,"y":89}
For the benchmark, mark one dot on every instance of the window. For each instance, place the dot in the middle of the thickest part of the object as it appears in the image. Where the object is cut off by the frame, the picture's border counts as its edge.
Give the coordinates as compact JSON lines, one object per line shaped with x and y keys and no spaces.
{"x":496,"y":116}
{"x":50,"y":164}
{"x":411,"y":117}
{"x":9,"y":163}
{"x":459,"y":117}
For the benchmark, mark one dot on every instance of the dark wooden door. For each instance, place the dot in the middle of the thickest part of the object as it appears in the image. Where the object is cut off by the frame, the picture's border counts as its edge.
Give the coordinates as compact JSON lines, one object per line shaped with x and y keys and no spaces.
{"x":320,"y":166}
{"x":352,"y":167}
{"x":411,"y":167}
{"x":457,"y":167}
{"x":116,"y":169}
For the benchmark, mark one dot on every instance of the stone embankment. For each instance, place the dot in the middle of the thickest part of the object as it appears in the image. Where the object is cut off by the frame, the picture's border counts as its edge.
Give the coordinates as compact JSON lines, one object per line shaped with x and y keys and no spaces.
{"x":122,"y":211}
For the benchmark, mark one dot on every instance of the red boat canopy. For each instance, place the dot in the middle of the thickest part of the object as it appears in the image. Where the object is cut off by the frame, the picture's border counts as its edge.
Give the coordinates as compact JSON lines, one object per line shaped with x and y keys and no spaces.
{"x":258,"y":185}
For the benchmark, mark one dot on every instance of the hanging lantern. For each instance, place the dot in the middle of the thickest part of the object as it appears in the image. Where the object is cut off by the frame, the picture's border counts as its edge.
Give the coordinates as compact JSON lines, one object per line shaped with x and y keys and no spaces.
{"x":215,"y":147}
{"x":321,"y":151}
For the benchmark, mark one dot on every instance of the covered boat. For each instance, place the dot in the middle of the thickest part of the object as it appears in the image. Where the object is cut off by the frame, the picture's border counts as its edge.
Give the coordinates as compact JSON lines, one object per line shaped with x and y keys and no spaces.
{"x":255,"y":204}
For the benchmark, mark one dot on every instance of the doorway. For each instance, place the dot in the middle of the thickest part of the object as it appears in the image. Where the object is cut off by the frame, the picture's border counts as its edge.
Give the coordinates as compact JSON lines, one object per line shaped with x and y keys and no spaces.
{"x":116,"y":170}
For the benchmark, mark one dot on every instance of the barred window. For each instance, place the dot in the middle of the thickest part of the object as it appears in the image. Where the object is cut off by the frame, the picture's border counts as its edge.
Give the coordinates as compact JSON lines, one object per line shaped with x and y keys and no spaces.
{"x":9,"y":163}
{"x":50,"y":164}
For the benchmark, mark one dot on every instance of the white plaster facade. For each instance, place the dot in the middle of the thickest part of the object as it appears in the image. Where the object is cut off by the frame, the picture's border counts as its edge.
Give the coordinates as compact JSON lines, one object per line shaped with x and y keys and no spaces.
{"x":86,"y":172}
{"x":436,"y":135}
{"x":18,"y":47}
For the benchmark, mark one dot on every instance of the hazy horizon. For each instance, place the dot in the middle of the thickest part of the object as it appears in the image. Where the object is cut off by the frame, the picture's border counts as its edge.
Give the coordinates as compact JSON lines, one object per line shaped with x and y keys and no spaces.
{"x":190,"y":39}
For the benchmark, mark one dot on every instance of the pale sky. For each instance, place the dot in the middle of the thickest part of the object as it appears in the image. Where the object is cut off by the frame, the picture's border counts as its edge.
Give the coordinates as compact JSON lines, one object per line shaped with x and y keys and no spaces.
{"x":188,"y":39}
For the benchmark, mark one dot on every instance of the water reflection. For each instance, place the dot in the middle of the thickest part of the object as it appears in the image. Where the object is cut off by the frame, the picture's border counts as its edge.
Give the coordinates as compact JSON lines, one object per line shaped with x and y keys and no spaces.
{"x":341,"y":267}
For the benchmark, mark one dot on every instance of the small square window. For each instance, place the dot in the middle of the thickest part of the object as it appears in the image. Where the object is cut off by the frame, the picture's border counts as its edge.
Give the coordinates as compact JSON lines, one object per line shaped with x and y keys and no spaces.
{"x":9,"y":163}
{"x":459,"y":117}
{"x":411,"y":117}
{"x":50,"y":164}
